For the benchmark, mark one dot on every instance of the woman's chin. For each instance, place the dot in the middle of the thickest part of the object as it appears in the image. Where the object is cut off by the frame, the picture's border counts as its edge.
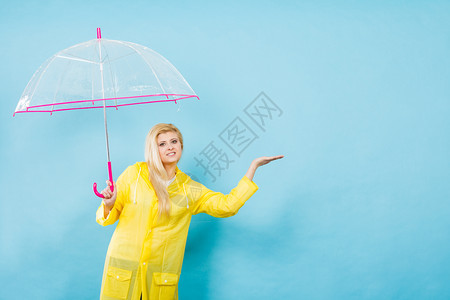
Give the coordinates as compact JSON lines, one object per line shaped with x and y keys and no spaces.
{"x":171,"y":160}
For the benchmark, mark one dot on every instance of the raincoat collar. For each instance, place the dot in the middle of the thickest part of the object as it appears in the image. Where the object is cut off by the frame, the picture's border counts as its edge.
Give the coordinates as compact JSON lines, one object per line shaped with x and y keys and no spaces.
{"x":180,"y":177}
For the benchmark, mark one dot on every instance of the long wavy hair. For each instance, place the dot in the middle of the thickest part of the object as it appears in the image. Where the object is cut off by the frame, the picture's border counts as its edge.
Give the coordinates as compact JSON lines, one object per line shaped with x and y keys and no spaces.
{"x":157,"y":174}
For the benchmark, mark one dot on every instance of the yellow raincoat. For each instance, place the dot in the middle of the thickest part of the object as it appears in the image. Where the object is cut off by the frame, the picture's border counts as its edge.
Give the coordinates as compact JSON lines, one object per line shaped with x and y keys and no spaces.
{"x":145,"y":254}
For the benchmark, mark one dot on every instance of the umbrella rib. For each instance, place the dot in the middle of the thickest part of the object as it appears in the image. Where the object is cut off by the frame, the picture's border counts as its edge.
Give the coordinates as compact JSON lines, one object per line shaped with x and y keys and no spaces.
{"x":171,"y":66}
{"x":76,"y":58}
{"x":40,"y":77}
{"x":113,"y":83}
{"x":120,"y":57}
{"x":153,"y":71}
{"x":61,"y":78}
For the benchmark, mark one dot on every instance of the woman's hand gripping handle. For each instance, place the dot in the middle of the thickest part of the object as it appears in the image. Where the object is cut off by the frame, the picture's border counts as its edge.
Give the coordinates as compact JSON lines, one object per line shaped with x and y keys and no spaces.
{"x":110,"y":179}
{"x":109,"y":198}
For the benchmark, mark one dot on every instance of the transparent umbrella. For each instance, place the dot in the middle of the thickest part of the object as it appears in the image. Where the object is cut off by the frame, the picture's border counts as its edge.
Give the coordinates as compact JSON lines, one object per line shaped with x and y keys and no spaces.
{"x":103,"y":73}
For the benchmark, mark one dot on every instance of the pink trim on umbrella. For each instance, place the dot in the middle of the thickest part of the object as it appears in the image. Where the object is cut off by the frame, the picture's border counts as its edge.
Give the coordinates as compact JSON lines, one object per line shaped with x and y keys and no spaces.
{"x":31,"y":108}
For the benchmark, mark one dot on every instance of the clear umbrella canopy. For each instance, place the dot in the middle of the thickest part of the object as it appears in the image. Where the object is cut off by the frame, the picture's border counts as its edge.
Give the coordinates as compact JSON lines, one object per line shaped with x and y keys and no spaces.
{"x":121,"y":73}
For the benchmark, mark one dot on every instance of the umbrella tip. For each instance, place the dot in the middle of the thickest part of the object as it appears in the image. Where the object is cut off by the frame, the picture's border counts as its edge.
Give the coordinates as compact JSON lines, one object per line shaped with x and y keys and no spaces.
{"x":99,"y":33}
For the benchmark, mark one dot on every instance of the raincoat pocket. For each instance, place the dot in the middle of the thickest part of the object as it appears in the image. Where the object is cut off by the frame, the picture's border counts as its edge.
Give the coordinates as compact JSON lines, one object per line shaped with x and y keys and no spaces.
{"x":117,"y":283}
{"x":163,"y":286}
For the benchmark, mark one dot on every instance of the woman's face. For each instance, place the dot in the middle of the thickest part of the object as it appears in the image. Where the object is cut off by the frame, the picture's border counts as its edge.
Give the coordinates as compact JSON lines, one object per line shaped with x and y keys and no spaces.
{"x":169,"y":146}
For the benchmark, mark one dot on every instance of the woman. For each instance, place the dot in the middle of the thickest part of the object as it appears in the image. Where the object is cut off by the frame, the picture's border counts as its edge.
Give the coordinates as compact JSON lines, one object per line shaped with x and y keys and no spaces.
{"x":154,"y":202}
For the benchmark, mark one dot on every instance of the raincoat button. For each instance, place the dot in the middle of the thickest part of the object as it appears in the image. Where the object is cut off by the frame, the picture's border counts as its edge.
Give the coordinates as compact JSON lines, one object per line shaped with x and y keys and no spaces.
{"x":165,"y":280}
{"x":143,"y":264}
{"x":117,"y":276}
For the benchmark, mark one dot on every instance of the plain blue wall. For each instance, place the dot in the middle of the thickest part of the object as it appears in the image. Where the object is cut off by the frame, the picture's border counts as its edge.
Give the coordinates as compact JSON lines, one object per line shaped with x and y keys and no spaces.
{"x":359,"y":207}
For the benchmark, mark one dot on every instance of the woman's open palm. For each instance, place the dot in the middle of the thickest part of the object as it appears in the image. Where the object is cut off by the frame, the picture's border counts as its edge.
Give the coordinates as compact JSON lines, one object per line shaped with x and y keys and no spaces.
{"x":264,"y":160}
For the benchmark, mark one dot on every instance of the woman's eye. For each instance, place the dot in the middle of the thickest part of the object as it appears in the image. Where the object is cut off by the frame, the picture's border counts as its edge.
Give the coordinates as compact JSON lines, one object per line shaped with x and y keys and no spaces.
{"x":162,"y":144}
{"x":174,"y":141}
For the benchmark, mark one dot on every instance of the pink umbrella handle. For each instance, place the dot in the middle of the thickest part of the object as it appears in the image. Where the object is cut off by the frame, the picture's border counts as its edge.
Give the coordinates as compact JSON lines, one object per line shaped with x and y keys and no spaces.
{"x":96,"y":192}
{"x":110,"y":179}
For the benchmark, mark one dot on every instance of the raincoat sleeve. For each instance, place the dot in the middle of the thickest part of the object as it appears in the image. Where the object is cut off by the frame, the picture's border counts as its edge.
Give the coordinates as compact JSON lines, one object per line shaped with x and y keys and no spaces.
{"x":123,"y":187}
{"x":221,"y":206}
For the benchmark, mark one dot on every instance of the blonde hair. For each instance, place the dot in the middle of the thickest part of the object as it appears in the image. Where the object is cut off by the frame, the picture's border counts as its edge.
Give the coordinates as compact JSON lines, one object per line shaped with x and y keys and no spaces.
{"x":157,"y":174}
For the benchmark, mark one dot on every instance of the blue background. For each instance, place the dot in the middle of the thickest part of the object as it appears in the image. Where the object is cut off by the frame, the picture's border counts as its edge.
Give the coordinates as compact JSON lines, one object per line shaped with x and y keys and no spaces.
{"x":359,"y":207}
